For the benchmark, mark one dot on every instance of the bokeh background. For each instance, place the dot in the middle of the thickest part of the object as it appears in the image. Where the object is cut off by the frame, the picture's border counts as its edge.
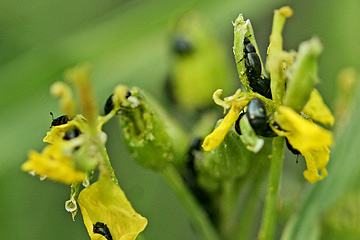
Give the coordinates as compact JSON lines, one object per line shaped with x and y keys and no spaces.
{"x":128,"y":42}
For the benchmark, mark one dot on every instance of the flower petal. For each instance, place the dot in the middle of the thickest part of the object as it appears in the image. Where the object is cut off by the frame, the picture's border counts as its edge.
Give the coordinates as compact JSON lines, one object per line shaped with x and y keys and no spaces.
{"x":217,"y":136}
{"x":316,"y":109}
{"x":302,"y":134}
{"x":310,"y":139}
{"x":315,"y":161}
{"x":53,"y":164}
{"x":106,"y":203}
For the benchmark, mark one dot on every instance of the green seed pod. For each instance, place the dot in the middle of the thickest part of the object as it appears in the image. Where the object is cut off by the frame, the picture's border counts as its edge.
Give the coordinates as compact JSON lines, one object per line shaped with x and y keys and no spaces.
{"x":227,"y":161}
{"x":145,"y":132}
{"x":303,"y":75}
{"x":199,"y":64}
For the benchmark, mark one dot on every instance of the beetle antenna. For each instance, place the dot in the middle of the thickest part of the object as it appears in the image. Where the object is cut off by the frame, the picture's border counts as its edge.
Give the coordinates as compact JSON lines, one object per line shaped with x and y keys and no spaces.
{"x":52,"y":116}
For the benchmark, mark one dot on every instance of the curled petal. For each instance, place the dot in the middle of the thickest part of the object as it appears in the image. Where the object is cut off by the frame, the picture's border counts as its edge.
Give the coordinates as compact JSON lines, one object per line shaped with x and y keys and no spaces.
{"x":67,"y":103}
{"x":104,"y":202}
{"x":316,"y":161}
{"x":228,"y":101}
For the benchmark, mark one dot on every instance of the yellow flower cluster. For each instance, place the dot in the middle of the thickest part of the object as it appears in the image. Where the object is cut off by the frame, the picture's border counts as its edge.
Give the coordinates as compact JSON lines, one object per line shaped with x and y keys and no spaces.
{"x":311,"y":140}
{"x":76,"y":148}
{"x":56,"y":161}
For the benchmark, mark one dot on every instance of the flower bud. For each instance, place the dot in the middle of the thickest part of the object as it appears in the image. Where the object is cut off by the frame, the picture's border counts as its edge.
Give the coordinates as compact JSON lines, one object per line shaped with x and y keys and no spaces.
{"x":228,"y":160}
{"x":303,"y":75}
{"x":199,"y":64}
{"x":146,"y":132}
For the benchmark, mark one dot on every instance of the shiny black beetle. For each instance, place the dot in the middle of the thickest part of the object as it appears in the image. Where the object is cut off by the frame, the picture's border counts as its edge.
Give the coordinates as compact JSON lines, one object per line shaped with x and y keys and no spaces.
{"x":59,"y":120}
{"x":257,"y":81}
{"x":109,"y":105}
{"x":71,"y":133}
{"x":101,"y":228}
{"x":256,"y":114}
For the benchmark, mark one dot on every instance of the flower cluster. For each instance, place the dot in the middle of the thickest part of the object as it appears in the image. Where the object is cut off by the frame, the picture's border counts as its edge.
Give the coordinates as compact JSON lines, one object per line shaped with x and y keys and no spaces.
{"x":76,"y":149}
{"x":292,"y":107}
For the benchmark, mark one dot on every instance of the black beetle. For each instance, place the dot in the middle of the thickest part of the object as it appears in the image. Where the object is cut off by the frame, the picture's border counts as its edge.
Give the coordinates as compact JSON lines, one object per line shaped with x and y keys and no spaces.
{"x":71,"y":133}
{"x":182,"y":46}
{"x":190,"y":176}
{"x":109,"y":105}
{"x":102,"y":229}
{"x":258,"y":83}
{"x":59,"y":120}
{"x":256,"y":114}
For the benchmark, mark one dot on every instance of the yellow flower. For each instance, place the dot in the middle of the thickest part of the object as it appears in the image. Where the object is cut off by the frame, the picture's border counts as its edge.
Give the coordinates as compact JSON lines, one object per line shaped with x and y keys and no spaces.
{"x":310,"y":139}
{"x":53,"y":164}
{"x":104,"y":202}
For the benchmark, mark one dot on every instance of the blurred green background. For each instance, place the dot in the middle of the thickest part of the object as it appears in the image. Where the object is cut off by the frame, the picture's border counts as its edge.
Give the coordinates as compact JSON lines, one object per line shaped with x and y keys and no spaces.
{"x":128,"y":42}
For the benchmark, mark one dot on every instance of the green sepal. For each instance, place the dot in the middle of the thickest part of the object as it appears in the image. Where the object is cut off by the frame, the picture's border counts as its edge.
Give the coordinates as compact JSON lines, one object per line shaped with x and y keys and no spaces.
{"x":145,"y":134}
{"x":227,"y":161}
{"x":303,"y":74}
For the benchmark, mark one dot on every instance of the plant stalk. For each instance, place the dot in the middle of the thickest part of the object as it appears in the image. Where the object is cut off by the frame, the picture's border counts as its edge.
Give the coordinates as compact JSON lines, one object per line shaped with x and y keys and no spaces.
{"x":268,"y":223}
{"x":196,"y":213}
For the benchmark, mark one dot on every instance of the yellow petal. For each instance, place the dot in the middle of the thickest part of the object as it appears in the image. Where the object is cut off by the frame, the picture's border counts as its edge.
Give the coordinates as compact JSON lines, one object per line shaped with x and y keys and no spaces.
{"x":105,"y":202}
{"x":310,"y":139}
{"x":302,"y":134}
{"x":217,"y":136}
{"x":52,"y":164}
{"x":316,"y":162}
{"x":316,"y":109}
{"x":57,"y":133}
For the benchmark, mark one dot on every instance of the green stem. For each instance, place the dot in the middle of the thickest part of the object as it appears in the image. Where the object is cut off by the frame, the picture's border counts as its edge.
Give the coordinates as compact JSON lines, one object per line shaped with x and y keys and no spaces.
{"x":244,"y":223}
{"x":268,"y":224}
{"x":245,"y":216}
{"x":196,"y":213}
{"x":107,"y":164}
{"x":227,"y":206}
